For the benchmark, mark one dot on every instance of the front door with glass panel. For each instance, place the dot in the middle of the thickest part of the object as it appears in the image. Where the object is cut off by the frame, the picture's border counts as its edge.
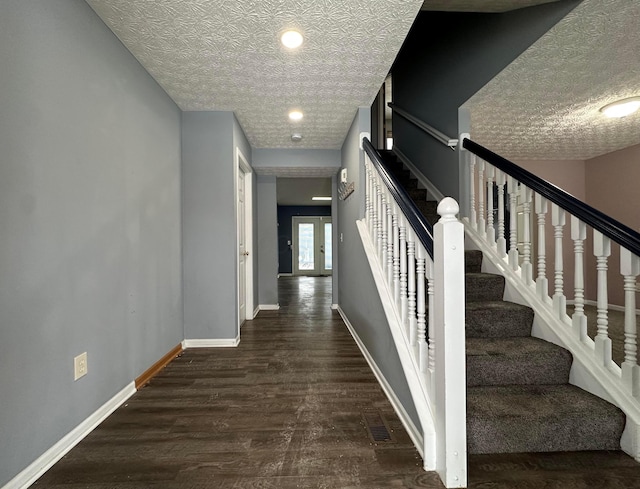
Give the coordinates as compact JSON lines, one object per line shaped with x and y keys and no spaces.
{"x":312,"y":251}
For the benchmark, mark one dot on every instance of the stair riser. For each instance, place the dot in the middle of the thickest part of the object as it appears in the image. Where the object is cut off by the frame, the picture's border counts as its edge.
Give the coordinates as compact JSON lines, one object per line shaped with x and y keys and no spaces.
{"x":484,"y":287}
{"x":499,"y":320}
{"x":562,"y":436}
{"x":505,"y":370}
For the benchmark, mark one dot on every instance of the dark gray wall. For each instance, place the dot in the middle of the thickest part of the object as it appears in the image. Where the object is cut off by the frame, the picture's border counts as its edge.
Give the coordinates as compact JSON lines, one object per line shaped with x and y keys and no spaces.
{"x":358,"y":296}
{"x":90,"y":254}
{"x":447,"y":58}
{"x":285,"y":230}
{"x":209,"y":225}
{"x":267,"y":240}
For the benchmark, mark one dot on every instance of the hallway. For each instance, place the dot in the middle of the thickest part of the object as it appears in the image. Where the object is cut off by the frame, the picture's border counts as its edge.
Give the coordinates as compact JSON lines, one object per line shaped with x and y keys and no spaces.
{"x":283,"y":410}
{"x":286,"y":410}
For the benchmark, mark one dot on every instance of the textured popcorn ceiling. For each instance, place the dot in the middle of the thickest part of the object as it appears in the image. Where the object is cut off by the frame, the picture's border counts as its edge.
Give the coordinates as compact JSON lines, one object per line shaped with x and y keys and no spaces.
{"x":546,"y":103}
{"x":226,"y":55}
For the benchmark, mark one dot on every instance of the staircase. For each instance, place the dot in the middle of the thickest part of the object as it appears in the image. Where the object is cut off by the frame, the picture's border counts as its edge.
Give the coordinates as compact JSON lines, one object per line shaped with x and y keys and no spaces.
{"x":518,"y":394}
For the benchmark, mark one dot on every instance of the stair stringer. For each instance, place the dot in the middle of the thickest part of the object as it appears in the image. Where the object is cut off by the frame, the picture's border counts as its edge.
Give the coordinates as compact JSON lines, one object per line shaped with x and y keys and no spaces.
{"x":599,"y":380}
{"x":411,"y":370}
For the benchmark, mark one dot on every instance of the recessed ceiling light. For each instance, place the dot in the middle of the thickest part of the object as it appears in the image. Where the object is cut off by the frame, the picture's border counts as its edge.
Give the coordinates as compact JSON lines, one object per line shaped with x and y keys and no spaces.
{"x":621,"y":108}
{"x":320,"y":198}
{"x":295,"y":115}
{"x":296,"y":137}
{"x":291,"y":39}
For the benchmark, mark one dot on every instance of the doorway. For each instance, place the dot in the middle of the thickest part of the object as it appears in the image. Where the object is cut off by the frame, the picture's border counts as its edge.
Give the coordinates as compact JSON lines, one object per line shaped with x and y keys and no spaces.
{"x":244,"y":220}
{"x":312,"y":246}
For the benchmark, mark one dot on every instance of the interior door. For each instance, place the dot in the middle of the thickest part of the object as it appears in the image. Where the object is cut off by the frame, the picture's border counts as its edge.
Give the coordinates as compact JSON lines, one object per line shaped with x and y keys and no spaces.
{"x":312,"y":251}
{"x":242,"y":250}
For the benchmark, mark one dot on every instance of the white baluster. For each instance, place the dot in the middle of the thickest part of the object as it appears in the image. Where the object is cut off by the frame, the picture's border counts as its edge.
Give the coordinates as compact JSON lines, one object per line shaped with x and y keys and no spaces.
{"x":501,"y":241}
{"x":376,"y":199}
{"x":512,"y":187}
{"x":404,"y":305}
{"x":559,"y":299}
{"x":421,"y":326}
{"x":542,"y":283}
{"x":578,"y":319}
{"x":379,"y":216}
{"x":431,"y":321}
{"x":527,"y":266}
{"x":396,"y":257}
{"x":630,"y":269}
{"x":390,"y":242}
{"x":482,"y":192}
{"x":602,"y":251}
{"x":367,"y":193}
{"x":383,"y":235}
{"x":411,"y":286}
{"x":491,"y":231}
{"x":472,"y":190}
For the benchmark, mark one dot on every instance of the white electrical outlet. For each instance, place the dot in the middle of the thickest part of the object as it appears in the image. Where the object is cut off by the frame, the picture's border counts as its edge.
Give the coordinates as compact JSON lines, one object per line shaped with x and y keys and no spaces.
{"x":80,"y":366}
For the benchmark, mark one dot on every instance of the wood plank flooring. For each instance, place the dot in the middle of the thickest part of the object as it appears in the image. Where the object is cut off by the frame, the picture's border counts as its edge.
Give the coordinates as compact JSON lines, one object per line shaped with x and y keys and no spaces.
{"x":286,"y":410}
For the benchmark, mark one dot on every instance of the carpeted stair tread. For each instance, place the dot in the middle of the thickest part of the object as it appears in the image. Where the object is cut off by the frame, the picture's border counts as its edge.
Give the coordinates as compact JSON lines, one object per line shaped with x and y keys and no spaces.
{"x":484,"y":287}
{"x":524,"y":361}
{"x":494,"y":319}
{"x":417,"y":194}
{"x":540,"y":418}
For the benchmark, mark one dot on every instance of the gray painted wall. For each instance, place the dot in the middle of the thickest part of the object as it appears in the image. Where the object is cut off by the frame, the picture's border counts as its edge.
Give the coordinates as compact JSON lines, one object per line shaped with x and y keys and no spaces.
{"x":447,"y":58}
{"x":267,"y":240}
{"x":90,"y":254}
{"x":313,"y":158}
{"x":358,"y":296}
{"x":209,"y":225}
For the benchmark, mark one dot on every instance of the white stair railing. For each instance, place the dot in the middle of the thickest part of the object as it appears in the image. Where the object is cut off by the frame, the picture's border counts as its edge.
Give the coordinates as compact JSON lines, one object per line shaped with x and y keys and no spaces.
{"x":424,"y":279}
{"x":619,"y":378}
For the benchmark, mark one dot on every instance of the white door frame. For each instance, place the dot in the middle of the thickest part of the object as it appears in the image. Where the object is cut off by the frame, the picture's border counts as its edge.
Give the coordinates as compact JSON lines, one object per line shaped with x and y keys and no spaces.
{"x":242,"y":165}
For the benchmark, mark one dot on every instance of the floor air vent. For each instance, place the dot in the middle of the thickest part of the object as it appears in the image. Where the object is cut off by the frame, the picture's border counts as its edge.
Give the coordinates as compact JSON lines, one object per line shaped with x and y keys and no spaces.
{"x":377,"y":427}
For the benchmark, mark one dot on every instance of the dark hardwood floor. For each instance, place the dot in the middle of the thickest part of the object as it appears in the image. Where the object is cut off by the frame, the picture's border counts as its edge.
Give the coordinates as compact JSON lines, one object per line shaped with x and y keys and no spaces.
{"x":287,"y":409}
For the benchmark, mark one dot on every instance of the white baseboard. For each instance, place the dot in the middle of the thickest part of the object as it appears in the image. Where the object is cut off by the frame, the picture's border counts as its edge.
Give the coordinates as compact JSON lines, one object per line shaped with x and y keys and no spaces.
{"x":256,"y":311}
{"x":269,"y":307}
{"x":414,"y":433}
{"x":211,"y":343}
{"x":285,"y":275}
{"x":335,"y":307}
{"x":43,"y":463}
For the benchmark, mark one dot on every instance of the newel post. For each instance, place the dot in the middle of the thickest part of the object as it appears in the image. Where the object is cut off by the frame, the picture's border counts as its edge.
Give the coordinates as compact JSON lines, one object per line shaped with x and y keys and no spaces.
{"x":450,"y":369}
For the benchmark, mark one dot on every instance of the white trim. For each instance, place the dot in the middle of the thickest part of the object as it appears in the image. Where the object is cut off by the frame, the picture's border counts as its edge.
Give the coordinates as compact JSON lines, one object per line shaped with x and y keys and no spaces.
{"x":211,"y":343}
{"x":412,"y":430}
{"x":256,"y":311}
{"x":269,"y":307}
{"x":285,"y":275}
{"x":335,"y":307}
{"x":242,"y":165}
{"x":45,"y":461}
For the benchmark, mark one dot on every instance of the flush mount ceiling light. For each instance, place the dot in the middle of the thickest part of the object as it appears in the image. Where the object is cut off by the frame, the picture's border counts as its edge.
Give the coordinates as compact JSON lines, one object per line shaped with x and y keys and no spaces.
{"x":295,"y":115}
{"x":320,"y":198}
{"x":291,"y":39}
{"x":621,"y":108}
{"x":296,"y":137}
